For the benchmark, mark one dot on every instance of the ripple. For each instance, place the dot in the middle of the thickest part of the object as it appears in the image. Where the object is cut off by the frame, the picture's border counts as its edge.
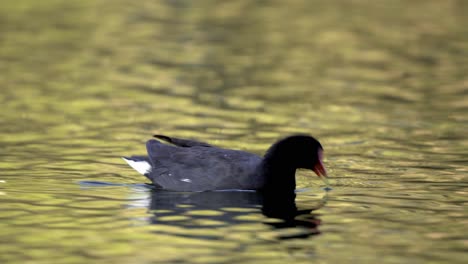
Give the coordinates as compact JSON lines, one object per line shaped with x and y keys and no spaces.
{"x":387,"y":102}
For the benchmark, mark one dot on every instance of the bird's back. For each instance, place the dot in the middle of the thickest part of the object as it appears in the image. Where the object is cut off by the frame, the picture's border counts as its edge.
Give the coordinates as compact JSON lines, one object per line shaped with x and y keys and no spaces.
{"x":202,"y":167}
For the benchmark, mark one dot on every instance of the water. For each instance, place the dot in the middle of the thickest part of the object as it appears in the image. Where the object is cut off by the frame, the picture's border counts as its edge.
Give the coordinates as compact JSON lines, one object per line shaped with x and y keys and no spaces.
{"x":384,"y":88}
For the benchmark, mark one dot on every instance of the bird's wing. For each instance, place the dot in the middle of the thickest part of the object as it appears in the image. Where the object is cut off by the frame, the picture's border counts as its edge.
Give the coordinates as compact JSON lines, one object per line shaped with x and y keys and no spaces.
{"x":182,"y":142}
{"x":201,"y":168}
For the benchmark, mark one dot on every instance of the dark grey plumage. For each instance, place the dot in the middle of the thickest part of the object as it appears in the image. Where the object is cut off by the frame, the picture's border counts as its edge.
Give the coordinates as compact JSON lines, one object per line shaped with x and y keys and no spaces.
{"x":189,"y":165}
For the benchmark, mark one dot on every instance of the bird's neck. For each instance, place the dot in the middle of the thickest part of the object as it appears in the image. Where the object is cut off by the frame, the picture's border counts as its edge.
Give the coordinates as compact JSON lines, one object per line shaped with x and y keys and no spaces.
{"x":279,"y":173}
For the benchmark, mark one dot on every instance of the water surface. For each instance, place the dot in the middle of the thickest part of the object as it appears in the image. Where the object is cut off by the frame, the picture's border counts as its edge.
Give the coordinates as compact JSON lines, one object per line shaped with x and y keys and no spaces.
{"x":383,"y":86}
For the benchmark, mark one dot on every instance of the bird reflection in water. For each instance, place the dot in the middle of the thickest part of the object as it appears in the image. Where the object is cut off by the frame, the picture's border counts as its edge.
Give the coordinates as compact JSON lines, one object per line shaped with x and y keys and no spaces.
{"x":224,"y":208}
{"x":216,"y":205}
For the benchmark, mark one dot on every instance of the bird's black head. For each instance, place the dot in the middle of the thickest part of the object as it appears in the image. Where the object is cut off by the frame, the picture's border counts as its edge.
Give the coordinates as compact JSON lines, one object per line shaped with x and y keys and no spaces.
{"x":299,"y":151}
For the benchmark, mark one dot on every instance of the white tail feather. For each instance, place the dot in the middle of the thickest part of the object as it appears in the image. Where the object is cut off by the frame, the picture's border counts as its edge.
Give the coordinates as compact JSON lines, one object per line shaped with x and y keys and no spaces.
{"x":142,"y":166}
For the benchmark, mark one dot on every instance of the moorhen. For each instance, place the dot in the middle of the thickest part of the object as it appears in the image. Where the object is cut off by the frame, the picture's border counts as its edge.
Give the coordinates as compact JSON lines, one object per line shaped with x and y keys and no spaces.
{"x":188,"y":165}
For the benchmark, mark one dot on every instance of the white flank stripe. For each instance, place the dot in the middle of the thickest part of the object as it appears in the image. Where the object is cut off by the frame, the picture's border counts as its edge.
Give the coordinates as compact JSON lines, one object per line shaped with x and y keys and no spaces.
{"x":186,"y":180}
{"x":143,"y":167}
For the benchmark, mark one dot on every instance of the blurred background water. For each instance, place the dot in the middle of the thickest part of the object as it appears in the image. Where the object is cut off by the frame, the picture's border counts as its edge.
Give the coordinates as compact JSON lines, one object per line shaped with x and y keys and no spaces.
{"x":382,"y":84}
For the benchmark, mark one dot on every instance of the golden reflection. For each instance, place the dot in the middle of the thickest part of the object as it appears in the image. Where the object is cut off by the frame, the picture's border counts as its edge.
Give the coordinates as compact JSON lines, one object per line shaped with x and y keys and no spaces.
{"x":382,"y":86}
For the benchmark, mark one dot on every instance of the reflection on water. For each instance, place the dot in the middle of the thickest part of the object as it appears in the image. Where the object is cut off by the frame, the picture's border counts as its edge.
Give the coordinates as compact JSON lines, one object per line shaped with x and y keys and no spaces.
{"x":218,"y":209}
{"x":384,"y":88}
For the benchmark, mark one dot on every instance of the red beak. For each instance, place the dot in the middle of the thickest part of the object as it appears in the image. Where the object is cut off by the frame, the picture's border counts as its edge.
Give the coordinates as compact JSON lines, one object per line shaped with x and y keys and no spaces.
{"x":319,"y":168}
